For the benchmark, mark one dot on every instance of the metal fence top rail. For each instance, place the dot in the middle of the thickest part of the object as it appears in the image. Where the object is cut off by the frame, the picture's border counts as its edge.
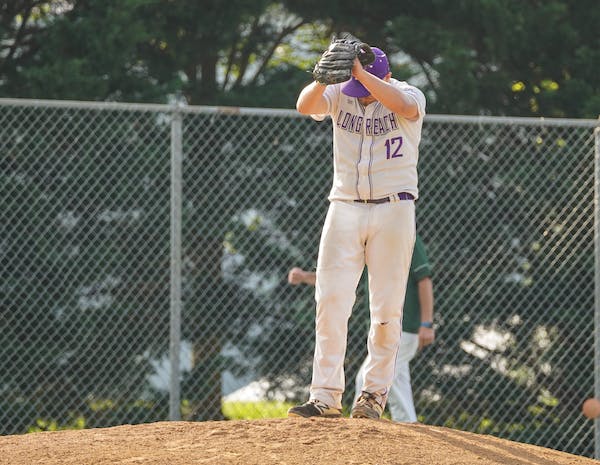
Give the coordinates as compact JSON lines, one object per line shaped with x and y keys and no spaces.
{"x":153,"y":107}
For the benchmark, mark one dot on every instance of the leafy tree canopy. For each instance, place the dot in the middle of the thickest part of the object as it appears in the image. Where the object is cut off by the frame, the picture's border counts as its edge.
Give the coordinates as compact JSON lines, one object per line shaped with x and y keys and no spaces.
{"x":472,"y":56}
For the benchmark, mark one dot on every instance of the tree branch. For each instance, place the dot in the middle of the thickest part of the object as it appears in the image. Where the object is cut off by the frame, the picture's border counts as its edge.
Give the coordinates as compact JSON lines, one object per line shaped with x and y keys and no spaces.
{"x":246,"y":52}
{"x":425,"y":69}
{"x":230,"y":60}
{"x":24,"y":28}
{"x":285,"y":32}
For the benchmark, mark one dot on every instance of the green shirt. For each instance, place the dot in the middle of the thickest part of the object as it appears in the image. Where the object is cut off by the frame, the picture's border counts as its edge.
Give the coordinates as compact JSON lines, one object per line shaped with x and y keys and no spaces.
{"x":419,"y":268}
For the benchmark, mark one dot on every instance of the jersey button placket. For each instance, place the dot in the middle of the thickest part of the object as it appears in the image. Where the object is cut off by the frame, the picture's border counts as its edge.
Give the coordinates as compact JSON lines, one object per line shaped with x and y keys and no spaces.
{"x":364,"y":189}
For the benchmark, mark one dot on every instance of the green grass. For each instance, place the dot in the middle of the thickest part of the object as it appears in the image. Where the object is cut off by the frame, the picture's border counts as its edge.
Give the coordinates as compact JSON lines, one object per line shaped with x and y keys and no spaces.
{"x":255,"y":410}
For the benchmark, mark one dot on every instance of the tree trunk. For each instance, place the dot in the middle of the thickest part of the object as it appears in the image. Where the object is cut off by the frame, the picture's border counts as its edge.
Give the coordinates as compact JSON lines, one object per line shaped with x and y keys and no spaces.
{"x":206,"y":92}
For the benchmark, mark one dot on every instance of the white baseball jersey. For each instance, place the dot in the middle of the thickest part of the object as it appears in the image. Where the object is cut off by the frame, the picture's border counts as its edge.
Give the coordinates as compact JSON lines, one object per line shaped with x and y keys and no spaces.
{"x":375,"y":151}
{"x":375,"y":156}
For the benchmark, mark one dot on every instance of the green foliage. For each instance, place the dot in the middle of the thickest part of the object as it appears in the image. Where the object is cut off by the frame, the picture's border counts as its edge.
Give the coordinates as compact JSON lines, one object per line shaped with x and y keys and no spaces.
{"x":89,"y":52}
{"x":279,"y":88}
{"x":52,"y":425}
{"x":522,"y":268}
{"x":472,"y":57}
{"x":472,"y":52}
{"x":84,"y":265}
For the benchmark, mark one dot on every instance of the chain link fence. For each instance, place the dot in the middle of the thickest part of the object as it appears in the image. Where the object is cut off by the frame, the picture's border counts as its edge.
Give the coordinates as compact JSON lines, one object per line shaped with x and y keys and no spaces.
{"x":140,"y":237}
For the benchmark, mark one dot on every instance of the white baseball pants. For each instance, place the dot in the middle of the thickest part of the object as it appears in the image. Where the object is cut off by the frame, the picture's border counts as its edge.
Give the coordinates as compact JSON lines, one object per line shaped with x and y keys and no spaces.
{"x":400,"y":398}
{"x":381,"y":236}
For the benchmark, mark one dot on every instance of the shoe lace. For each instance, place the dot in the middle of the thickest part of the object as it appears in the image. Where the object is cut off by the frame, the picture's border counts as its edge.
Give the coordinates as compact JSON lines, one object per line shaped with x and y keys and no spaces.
{"x":369,"y":400}
{"x":318,"y":404}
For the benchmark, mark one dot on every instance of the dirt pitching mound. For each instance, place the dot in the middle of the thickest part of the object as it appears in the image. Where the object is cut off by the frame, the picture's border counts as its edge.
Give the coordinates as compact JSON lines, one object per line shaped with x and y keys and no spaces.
{"x":275,"y":442}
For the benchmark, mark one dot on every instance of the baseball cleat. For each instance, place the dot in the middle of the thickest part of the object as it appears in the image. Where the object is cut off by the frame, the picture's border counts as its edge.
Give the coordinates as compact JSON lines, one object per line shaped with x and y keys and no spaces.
{"x":368,"y":406}
{"x":314,"y":408}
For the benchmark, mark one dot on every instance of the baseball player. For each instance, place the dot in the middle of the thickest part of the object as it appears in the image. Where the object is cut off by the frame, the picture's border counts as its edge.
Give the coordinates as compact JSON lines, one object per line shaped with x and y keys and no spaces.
{"x":417,"y":330}
{"x":377,"y":124}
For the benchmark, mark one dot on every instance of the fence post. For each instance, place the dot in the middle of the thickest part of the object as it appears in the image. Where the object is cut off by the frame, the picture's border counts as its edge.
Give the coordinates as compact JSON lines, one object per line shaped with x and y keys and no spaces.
{"x":597,"y":285}
{"x":175,"y":301}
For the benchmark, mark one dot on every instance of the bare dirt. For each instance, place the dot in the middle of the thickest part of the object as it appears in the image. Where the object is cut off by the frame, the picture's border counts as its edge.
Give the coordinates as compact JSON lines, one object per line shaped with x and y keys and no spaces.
{"x":275,"y":441}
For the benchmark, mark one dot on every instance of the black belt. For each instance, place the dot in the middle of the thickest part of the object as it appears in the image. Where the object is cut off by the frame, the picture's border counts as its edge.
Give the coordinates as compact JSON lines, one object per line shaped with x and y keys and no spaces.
{"x":401,"y":196}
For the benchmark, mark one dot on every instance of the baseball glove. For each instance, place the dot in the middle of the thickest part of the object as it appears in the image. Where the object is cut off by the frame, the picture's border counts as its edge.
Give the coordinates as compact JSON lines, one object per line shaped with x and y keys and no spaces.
{"x":335,"y":65}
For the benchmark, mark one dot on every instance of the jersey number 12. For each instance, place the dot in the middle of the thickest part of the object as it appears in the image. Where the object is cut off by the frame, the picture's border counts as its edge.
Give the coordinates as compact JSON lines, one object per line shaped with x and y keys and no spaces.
{"x":392,"y":147}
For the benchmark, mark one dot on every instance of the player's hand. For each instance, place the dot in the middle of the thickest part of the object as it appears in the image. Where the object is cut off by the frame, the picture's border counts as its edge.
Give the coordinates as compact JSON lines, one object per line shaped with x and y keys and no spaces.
{"x":357,"y":67}
{"x":426,"y":336}
{"x":296,"y":276}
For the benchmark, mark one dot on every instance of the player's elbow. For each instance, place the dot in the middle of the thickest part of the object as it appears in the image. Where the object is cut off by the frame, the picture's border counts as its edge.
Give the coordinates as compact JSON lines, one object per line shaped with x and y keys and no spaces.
{"x":303,"y":107}
{"x":300,"y":107}
{"x":408,"y":110}
{"x":311,"y":100}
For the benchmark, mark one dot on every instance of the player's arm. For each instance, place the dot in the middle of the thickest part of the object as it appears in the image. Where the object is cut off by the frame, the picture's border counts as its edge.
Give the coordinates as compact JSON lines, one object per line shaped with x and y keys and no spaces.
{"x":391,"y":97}
{"x":311,"y":100}
{"x":299,"y":276}
{"x":425,"y":290}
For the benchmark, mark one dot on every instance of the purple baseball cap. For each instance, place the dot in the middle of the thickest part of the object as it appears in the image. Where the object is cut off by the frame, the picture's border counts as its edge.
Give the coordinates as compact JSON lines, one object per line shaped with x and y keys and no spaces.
{"x":380,"y":67}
